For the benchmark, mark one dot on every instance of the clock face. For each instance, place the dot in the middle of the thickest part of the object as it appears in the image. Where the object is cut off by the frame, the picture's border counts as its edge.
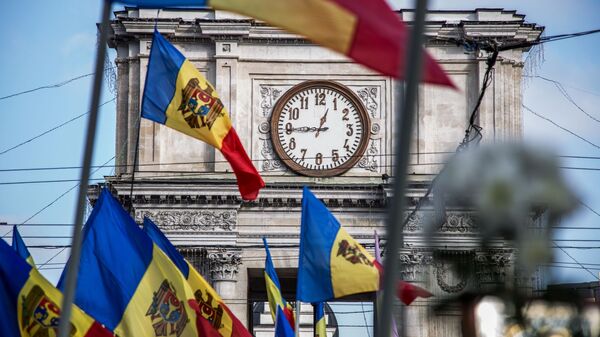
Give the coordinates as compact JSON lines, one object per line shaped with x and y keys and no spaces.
{"x":320,"y":128}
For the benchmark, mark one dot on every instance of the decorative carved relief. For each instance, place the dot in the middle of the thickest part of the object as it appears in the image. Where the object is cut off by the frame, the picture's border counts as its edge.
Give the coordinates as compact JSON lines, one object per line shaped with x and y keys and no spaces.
{"x":442,"y":276}
{"x":269,"y":96}
{"x":458,"y":223}
{"x":414,"y":265}
{"x":224,"y":265}
{"x":370,"y":161}
{"x":368,"y":95}
{"x":415,"y":222}
{"x":270,"y":161}
{"x":492,"y":266}
{"x":194,"y":220}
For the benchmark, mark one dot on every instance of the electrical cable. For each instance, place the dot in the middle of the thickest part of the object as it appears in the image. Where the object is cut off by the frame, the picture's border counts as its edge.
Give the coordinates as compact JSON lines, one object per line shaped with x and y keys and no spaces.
{"x":51,"y":129}
{"x":59,"y":168}
{"x":55,"y":200}
{"x":52,"y":86}
{"x":560,"y":127}
{"x":564,"y":92}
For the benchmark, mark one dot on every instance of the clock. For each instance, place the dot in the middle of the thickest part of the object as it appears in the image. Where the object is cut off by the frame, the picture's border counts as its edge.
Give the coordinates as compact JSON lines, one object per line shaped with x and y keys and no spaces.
{"x":320,"y":128}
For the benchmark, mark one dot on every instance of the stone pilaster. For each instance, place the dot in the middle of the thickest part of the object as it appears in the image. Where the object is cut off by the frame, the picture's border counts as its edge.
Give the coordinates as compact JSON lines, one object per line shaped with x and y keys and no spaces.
{"x":122,"y":112}
{"x":224,"y":268}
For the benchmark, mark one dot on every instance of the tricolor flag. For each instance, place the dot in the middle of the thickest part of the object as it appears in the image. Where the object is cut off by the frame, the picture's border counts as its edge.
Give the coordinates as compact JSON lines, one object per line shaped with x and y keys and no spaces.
{"x":19,"y":246}
{"x":320,"y":323}
{"x":331,"y":264}
{"x":178,"y":96}
{"x":367,"y":31}
{"x":126,"y":282}
{"x":282,"y":325}
{"x":30,"y":305}
{"x":406,"y":292}
{"x":209,"y":303}
{"x":276,"y":300}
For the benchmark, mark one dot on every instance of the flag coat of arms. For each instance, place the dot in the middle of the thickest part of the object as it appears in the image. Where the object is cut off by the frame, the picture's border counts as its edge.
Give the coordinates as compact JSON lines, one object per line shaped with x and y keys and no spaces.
{"x":19,"y":246}
{"x":30,"y":305}
{"x":126,"y":282}
{"x":178,"y":96}
{"x":208,"y":302}
{"x":367,"y":31}
{"x":331,"y":264}
{"x":276,"y":300}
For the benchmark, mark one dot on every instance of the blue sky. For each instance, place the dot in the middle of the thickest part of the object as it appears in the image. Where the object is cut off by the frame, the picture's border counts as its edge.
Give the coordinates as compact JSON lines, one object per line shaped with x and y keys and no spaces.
{"x":46,"y":42}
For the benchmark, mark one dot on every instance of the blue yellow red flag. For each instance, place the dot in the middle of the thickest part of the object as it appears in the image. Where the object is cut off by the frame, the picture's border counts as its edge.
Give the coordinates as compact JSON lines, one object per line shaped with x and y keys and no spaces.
{"x":30,"y":305}
{"x":19,"y":246}
{"x":178,"y":96}
{"x":282,"y":325}
{"x":126,"y":282}
{"x":367,"y":31}
{"x":331,"y":264}
{"x":276,"y":300}
{"x":209,"y":303}
{"x":320,"y":323}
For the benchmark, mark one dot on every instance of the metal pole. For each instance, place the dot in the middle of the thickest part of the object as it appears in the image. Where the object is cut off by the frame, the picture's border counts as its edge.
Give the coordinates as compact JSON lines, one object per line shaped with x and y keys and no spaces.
{"x":297,"y":320}
{"x":73,"y":265}
{"x":396,"y":208}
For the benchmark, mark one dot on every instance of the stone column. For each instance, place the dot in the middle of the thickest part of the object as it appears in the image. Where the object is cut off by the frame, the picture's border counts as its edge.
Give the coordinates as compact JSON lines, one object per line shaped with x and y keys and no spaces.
{"x":224,"y":268}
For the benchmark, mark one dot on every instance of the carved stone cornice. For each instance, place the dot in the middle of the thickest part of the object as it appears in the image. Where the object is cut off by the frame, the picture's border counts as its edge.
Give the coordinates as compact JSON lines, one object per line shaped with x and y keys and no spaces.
{"x":224,"y":265}
{"x":456,"y":223}
{"x":191,"y":220}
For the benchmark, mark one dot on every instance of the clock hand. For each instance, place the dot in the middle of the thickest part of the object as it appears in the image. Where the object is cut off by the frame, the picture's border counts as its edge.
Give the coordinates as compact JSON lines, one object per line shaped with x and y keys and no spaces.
{"x":309,"y":129}
{"x":323,"y":120}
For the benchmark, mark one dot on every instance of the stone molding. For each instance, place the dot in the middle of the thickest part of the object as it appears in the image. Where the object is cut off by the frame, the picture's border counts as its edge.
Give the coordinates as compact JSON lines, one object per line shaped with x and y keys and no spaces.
{"x":224,"y":265}
{"x":191,"y":220}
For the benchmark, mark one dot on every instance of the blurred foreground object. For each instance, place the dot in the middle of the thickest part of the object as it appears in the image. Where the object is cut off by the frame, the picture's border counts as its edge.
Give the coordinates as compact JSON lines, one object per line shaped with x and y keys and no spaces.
{"x":506,"y":184}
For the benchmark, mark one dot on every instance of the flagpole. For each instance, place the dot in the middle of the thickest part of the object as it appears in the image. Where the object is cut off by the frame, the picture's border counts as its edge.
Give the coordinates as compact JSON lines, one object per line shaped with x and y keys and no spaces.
{"x":297,"y":320}
{"x":396,"y":208}
{"x":73,"y":264}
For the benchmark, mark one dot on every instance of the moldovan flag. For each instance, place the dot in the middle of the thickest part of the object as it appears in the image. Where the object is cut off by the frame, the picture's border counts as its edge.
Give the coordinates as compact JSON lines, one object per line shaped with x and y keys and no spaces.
{"x":126,"y":282}
{"x":320,"y":323}
{"x":209,"y":303}
{"x":178,"y":96}
{"x":276,"y":300}
{"x":367,"y":31}
{"x":282,"y":325}
{"x":19,"y":246}
{"x":30,"y":305}
{"x":331,"y":264}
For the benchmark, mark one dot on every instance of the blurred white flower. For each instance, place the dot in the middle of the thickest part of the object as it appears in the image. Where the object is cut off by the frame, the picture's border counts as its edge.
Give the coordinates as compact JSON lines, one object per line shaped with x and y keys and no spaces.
{"x":505,"y":183}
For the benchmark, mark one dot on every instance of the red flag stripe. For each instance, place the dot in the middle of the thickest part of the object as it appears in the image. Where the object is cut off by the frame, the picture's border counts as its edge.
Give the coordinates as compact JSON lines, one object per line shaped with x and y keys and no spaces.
{"x":248,"y":179}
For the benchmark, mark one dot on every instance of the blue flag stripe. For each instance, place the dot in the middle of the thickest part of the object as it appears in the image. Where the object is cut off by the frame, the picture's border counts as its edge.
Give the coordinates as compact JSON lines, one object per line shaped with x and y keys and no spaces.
{"x":19,"y":245}
{"x":318,"y":231}
{"x":269,"y":268}
{"x":166,"y":246}
{"x":282,"y":326}
{"x":110,"y":270}
{"x":161,"y":78}
{"x":14,"y":272}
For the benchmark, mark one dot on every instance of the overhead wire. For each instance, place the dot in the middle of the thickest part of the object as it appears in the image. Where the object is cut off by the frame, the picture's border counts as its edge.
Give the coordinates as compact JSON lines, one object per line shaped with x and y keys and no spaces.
{"x":564,"y":92}
{"x":51,"y":129}
{"x":51,"y":86}
{"x":210,"y":162}
{"x":560,"y":126}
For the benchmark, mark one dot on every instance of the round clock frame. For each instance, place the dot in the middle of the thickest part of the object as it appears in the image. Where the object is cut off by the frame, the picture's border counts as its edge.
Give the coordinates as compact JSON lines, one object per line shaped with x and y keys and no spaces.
{"x":352,"y":99}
